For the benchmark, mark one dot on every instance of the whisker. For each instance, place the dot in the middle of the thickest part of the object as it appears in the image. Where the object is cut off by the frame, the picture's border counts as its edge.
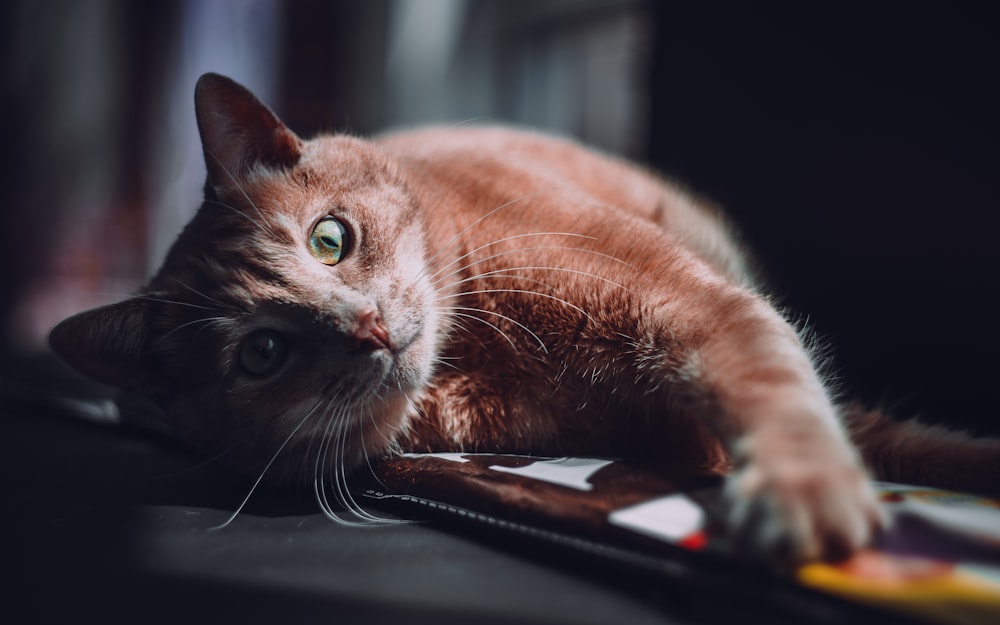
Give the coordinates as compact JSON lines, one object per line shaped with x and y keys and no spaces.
{"x":243,"y":214}
{"x":364,"y":448}
{"x":449,"y":245}
{"x":456,"y":324}
{"x":337,"y":442}
{"x":264,"y":471}
{"x":218,"y":303}
{"x":480,"y":320}
{"x":529,"y":249}
{"x":167,"y":335}
{"x":319,"y":474}
{"x":347,"y":497}
{"x":330,"y":461}
{"x":194,"y":467}
{"x":503,"y":240}
{"x":506,"y":318}
{"x":506,"y":273}
{"x":526,"y":292}
{"x":470,"y":120}
{"x":443,"y":361}
{"x":243,"y":192}
{"x":160,"y":300}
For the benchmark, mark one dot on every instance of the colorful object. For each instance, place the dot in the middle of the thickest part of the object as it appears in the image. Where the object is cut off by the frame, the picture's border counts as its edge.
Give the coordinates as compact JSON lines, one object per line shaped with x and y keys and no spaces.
{"x":938,"y":561}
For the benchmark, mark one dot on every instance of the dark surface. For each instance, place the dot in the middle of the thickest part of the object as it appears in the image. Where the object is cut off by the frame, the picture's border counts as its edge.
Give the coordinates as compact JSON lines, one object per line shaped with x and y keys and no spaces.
{"x":116,"y":523}
{"x":111,"y":523}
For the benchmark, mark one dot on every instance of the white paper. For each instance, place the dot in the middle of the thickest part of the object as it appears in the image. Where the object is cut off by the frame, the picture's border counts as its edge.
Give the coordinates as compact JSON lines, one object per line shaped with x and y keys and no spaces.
{"x":571,"y":472}
{"x":669,"y":518}
{"x":453,"y":457}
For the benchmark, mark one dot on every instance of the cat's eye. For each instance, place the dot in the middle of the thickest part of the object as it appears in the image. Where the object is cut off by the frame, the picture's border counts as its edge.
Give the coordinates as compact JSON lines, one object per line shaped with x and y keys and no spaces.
{"x":262,"y":353}
{"x":328,"y":241}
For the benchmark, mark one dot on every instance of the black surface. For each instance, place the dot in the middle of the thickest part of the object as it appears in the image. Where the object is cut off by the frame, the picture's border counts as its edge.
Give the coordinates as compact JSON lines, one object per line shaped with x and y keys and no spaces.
{"x":103,"y":522}
{"x":115,"y":523}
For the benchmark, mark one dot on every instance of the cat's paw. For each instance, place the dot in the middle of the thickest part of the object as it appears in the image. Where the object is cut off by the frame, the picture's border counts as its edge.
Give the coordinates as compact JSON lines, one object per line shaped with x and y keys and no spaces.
{"x":801,"y":495}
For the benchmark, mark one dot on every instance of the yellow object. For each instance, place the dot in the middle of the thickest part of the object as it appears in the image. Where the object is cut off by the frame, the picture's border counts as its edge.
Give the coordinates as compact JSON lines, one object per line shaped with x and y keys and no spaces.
{"x":939,"y":591}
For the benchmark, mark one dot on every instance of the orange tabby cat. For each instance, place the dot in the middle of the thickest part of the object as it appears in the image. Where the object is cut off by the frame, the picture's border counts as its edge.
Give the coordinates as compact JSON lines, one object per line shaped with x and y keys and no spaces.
{"x":482,"y":289}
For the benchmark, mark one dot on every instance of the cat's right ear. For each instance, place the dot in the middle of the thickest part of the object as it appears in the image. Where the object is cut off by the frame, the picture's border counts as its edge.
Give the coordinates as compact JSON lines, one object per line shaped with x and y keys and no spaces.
{"x":107,"y":344}
{"x":239,"y":132}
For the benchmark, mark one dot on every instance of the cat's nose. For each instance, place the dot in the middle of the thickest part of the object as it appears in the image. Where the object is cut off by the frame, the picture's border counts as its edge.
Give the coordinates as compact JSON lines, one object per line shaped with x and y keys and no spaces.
{"x":369,"y":332}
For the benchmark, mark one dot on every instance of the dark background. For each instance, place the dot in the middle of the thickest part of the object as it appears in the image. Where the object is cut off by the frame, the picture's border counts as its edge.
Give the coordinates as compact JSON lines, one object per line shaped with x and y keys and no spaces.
{"x":855,"y":146}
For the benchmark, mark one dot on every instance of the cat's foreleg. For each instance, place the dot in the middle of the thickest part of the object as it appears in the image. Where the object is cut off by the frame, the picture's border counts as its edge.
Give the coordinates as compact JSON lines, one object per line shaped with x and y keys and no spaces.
{"x":798,"y":487}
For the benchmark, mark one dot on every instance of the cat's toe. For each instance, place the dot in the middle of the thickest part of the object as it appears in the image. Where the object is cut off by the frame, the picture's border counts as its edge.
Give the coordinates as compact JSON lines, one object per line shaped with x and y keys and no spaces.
{"x":801,"y":509}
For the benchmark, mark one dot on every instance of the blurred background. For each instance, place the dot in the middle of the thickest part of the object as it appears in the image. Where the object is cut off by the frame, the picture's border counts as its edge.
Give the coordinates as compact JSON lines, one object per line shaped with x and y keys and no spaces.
{"x":856,"y":147}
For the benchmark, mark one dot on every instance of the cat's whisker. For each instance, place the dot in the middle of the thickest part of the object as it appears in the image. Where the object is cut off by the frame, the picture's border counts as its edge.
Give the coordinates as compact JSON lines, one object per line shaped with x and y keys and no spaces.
{"x":458,"y":271}
{"x":242,"y":214}
{"x":266,"y":226}
{"x":147,"y":297}
{"x":469,"y":121}
{"x":457,"y":326}
{"x":322,"y":461}
{"x":452,"y":244}
{"x":172,"y":302}
{"x":504,"y":240}
{"x":512,"y":277}
{"x":523,"y":291}
{"x":340,"y":491}
{"x":345,"y":497}
{"x":507,"y":272}
{"x":498,"y":330}
{"x":263,"y":472}
{"x":304,"y":466}
{"x":207,"y":298}
{"x":364,"y":448}
{"x":358,"y":508}
{"x":316,"y":441}
{"x":443,"y":361}
{"x":333,"y":464}
{"x":203,"y":320}
{"x":505,"y":318}
{"x":194,"y":467}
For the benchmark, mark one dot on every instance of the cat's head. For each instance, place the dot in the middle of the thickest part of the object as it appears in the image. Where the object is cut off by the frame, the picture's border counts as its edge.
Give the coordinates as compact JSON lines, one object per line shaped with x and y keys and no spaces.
{"x":294,"y":309}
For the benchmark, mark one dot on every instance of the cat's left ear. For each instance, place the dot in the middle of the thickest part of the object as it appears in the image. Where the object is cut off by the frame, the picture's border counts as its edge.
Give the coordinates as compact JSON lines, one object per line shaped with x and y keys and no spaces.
{"x":107,"y":344}
{"x":238,"y":132}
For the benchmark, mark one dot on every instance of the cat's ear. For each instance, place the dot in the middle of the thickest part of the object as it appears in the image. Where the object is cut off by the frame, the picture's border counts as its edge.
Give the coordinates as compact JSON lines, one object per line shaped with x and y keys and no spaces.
{"x":108,"y":344}
{"x":238,"y":132}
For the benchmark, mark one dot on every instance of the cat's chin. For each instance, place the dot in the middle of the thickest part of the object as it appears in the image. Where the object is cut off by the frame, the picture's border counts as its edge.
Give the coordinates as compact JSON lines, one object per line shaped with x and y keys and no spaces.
{"x":342,"y":445}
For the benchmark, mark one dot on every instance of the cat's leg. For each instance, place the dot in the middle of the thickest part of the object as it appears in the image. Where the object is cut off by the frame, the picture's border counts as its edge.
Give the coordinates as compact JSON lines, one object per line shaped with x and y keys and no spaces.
{"x":799,"y":486}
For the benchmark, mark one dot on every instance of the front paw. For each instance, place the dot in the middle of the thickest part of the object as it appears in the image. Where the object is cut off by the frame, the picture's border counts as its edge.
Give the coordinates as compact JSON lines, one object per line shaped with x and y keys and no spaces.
{"x":801,"y":497}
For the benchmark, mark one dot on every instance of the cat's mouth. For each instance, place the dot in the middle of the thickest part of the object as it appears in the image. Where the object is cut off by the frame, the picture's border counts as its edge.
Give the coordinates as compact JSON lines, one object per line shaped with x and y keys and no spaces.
{"x":385,"y":365}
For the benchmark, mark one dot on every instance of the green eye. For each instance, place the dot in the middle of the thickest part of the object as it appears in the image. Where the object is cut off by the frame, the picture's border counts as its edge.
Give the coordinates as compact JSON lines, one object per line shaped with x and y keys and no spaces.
{"x":328,"y":241}
{"x":262,"y":353}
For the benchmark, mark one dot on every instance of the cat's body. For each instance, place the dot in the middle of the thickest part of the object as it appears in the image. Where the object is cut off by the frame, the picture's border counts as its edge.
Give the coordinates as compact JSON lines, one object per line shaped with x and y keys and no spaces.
{"x":475,"y":289}
{"x":566,"y":256}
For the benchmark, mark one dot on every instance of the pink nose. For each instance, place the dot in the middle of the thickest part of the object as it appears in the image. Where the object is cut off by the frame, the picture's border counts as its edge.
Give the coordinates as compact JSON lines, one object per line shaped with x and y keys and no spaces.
{"x":369,"y":332}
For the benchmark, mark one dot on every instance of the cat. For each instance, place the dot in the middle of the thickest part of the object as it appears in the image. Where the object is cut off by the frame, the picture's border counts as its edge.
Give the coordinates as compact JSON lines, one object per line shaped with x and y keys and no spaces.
{"x":488,"y":289}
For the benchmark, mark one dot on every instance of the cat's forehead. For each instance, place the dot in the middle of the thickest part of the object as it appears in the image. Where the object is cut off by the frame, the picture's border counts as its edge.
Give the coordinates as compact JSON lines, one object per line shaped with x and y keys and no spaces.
{"x":335,"y":173}
{"x":341,"y":163}
{"x":250,"y":243}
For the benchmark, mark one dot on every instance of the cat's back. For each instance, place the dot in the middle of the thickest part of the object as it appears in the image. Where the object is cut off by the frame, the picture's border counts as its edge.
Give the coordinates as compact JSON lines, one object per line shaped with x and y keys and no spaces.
{"x":514,"y":161}
{"x":507,"y":155}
